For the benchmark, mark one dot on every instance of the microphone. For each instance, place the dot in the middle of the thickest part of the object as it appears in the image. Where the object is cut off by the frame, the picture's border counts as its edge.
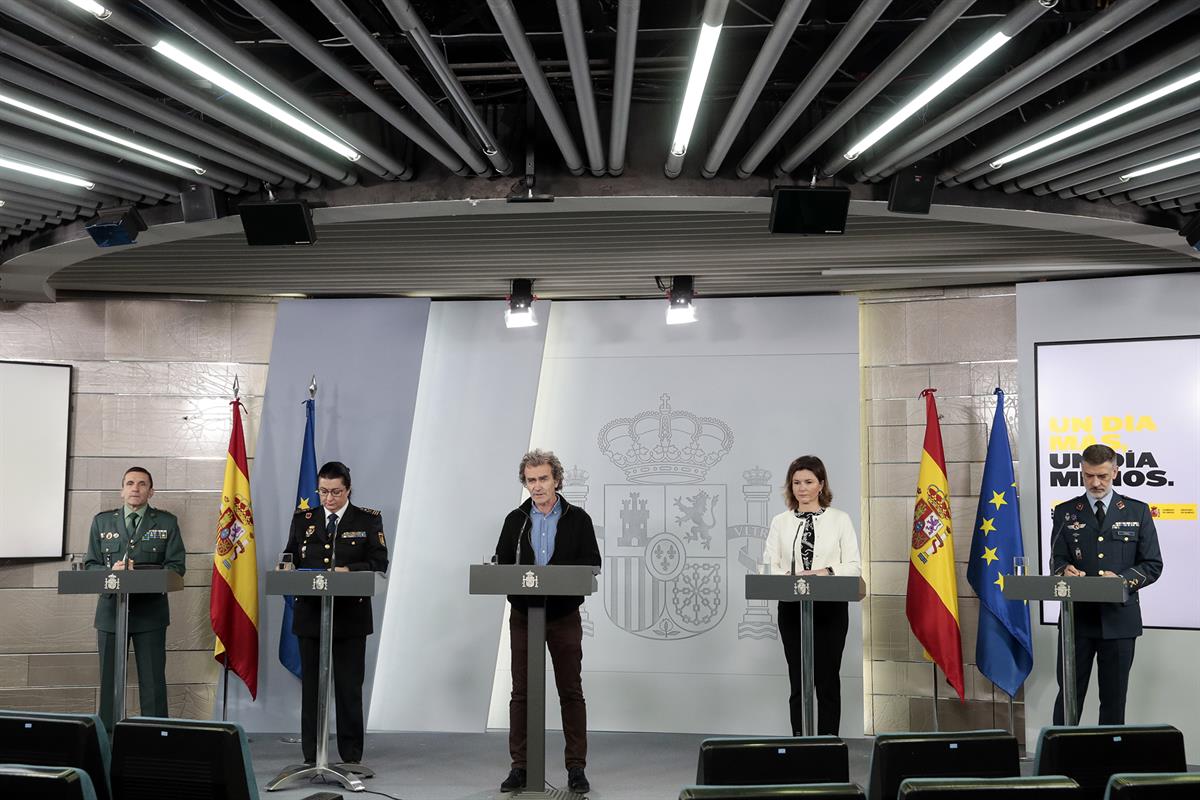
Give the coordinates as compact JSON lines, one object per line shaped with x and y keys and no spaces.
{"x":794,"y":538}
{"x":524,"y":528}
{"x":1054,"y":534}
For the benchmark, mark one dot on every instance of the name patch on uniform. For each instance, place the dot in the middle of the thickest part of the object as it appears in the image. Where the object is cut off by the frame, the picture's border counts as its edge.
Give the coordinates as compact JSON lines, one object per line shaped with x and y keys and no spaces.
{"x":354,"y":534}
{"x":1127,"y":524}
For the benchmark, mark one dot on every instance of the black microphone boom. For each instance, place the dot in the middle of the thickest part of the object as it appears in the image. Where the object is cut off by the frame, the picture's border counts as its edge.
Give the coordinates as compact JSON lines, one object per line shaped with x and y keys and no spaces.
{"x":794,"y":538}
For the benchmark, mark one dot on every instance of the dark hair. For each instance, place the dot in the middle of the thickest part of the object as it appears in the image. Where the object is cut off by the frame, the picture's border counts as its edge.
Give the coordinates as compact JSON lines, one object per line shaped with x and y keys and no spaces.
{"x":539,"y":458}
{"x":1098,"y":454}
{"x":335,"y":469}
{"x":816,"y":467}
{"x":143,"y":470}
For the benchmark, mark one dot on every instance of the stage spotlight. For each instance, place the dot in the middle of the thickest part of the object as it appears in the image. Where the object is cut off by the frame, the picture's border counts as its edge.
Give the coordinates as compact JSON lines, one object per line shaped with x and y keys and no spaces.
{"x":681,"y":308}
{"x":519,"y":313}
{"x":1191,"y":232}
{"x":115,"y":227}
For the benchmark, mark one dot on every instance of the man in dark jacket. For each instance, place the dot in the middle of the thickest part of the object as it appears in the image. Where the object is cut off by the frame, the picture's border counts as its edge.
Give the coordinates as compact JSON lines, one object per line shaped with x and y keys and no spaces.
{"x":546,"y":529}
{"x":1102,"y":533}
{"x":346,"y":538}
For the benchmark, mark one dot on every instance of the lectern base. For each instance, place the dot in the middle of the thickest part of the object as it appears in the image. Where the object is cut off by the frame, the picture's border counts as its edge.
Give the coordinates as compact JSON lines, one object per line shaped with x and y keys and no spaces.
{"x":360,"y":770}
{"x":303,"y":772}
{"x":546,"y":794}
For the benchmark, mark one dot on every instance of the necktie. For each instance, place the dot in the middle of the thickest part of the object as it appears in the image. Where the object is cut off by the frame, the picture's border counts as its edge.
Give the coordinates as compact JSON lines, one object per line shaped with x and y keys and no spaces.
{"x":1100,"y":513}
{"x":331,"y":527}
{"x":132,"y":523}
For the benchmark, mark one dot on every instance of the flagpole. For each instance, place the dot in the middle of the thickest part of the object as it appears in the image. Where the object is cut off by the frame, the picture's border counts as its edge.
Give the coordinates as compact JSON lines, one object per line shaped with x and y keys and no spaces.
{"x":936,"y":727}
{"x":225,"y":661}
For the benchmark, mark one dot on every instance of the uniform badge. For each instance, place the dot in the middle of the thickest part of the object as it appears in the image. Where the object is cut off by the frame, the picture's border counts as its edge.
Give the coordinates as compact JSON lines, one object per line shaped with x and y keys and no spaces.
{"x":382,"y":541}
{"x":1079,"y":506}
{"x":308,"y":515}
{"x":1078,"y":554}
{"x":1120,"y":505}
{"x":1074,"y":526}
{"x":311,"y":530}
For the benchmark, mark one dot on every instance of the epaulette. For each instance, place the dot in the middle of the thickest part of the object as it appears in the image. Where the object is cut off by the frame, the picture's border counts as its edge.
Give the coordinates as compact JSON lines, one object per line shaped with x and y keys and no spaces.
{"x":370,"y":511}
{"x":307,"y":512}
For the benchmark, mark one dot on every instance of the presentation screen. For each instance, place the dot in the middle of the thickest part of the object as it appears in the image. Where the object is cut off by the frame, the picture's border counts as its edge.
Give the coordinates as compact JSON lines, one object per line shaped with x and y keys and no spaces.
{"x":1141,"y":397}
{"x":35,"y":402}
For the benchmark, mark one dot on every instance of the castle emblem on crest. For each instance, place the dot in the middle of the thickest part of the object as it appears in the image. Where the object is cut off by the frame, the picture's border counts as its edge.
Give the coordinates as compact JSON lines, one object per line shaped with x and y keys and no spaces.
{"x":929,"y":528}
{"x":801,"y":588}
{"x":112,"y":583}
{"x":529,"y":580}
{"x":320,"y":583}
{"x":1062,"y":589}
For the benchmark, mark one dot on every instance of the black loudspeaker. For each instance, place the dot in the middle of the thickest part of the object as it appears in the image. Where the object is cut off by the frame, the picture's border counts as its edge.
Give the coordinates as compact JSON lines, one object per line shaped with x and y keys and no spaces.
{"x":1167,"y":786}
{"x":116,"y":227}
{"x":277,"y":222}
{"x":787,"y":760}
{"x":182,"y":759}
{"x":1191,"y":232}
{"x":912,"y":190}
{"x":45,"y":783}
{"x":966,"y":754}
{"x":1092,"y":755}
{"x":56,"y":740}
{"x":812,"y":211}
{"x":202,"y":203}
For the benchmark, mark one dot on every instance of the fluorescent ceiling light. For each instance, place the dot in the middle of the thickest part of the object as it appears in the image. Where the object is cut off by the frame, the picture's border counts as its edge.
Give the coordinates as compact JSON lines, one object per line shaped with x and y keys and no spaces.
{"x":1174,"y":162}
{"x":92,"y":8}
{"x":1099,"y":119}
{"x":705,"y":48}
{"x":257,"y":100}
{"x":48,"y":174}
{"x":99,"y":134}
{"x":968,"y":63}
{"x":1,"y":204}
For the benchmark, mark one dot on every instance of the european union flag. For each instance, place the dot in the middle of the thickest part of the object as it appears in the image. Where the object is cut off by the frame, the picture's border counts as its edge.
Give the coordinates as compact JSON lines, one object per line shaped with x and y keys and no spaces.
{"x":1004,"y":647}
{"x":306,"y":498}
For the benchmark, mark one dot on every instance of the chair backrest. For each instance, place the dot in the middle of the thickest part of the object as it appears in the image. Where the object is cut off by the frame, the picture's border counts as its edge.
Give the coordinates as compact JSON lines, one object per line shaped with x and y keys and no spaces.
{"x":962,"y":754}
{"x":774,"y":761}
{"x":1091,"y":755}
{"x":812,"y":791}
{"x":1155,"y":785}
{"x":157,"y":758}
{"x":45,"y":783}
{"x":1036,"y":787}
{"x":57,"y":740}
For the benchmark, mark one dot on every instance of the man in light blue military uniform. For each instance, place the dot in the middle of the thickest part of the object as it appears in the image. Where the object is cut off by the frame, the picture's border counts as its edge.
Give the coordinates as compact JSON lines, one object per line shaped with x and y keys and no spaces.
{"x":135,"y":535}
{"x":1106,"y":534}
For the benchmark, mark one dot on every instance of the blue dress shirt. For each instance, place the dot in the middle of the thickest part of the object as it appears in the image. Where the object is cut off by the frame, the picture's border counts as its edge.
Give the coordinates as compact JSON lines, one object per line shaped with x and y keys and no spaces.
{"x":545,"y":528}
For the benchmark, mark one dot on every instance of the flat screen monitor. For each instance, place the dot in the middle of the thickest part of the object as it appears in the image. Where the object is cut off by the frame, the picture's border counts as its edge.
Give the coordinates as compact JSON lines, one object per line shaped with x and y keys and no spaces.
{"x":56,"y":740}
{"x":1091,"y":755}
{"x":967,"y":754}
{"x":818,"y":211}
{"x":157,"y":759}
{"x":743,"y":762}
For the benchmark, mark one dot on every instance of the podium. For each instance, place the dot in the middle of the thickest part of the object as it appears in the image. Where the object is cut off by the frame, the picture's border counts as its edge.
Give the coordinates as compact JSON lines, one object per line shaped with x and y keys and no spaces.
{"x":806,"y":590}
{"x":326,"y":585}
{"x":538,"y":583}
{"x":1068,"y":591}
{"x":122,"y":583}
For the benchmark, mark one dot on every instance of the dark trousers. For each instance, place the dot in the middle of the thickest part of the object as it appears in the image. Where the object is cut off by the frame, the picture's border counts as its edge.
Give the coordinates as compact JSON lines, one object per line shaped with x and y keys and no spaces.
{"x":1114,"y":658}
{"x":564,"y":640}
{"x":830,"y":623}
{"x":349,"y":668}
{"x":150,"y":655}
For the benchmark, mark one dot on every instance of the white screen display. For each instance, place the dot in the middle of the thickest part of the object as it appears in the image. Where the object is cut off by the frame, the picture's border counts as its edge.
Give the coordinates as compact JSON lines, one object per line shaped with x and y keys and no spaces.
{"x":35,"y":402}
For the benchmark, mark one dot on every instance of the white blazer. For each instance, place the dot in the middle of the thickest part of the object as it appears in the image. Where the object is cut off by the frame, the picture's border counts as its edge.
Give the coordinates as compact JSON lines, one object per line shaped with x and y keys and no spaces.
{"x":834,"y":543}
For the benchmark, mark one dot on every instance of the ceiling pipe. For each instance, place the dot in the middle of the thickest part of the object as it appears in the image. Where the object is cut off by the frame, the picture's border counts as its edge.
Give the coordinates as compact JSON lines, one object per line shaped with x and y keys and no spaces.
{"x":102,"y":194}
{"x":965,"y":117}
{"x":373,"y":158}
{"x":1090,"y":150}
{"x":627,"y":24}
{"x":1157,"y":191}
{"x":1110,"y":170}
{"x":418,"y":35}
{"x":83,"y":41}
{"x":1010,"y":25}
{"x":375,"y":53}
{"x":319,"y":56}
{"x":45,"y":193}
{"x":764,"y":63}
{"x":81,"y":162}
{"x":23,"y":208}
{"x":1185,"y":200}
{"x":916,"y":43}
{"x":581,"y":79}
{"x":535,"y":81}
{"x":1166,"y":185}
{"x":976,"y":163}
{"x":36,"y":205}
{"x":156,"y":119}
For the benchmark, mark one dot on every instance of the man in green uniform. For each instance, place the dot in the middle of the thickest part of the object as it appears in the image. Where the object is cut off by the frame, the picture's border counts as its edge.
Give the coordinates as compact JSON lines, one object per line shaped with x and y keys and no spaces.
{"x":135,"y":535}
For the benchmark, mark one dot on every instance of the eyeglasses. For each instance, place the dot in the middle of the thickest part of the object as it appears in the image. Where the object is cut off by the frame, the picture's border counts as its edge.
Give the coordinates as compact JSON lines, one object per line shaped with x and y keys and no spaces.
{"x":331,"y":492}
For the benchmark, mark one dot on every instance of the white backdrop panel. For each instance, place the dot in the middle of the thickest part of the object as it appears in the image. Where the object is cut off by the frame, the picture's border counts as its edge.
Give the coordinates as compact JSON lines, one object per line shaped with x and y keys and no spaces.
{"x":670,"y":643}
{"x":1162,"y":685}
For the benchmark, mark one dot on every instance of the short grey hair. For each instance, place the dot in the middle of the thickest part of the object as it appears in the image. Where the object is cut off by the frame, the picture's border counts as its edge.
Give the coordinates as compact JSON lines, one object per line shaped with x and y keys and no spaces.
{"x":1099,"y":454}
{"x":538,"y":458}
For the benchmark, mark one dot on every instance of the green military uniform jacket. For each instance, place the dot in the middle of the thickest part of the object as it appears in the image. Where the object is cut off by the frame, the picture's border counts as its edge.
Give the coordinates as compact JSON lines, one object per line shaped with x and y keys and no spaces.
{"x":156,"y":541}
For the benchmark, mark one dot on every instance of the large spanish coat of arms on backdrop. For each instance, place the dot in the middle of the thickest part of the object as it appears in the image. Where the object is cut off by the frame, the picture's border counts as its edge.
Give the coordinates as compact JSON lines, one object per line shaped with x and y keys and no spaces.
{"x":668,"y":542}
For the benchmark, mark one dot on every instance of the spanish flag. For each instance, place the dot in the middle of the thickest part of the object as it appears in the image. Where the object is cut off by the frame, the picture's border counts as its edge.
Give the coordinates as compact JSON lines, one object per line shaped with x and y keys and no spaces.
{"x":932,"y":603}
{"x":233,"y":605}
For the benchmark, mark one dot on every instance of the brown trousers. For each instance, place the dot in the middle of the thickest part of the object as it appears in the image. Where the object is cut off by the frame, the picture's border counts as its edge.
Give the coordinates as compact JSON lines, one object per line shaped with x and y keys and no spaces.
{"x":564,"y":640}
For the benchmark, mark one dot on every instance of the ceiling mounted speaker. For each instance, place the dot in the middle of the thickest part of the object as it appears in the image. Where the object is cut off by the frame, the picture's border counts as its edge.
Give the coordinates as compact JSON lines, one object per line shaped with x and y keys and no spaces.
{"x":116,"y":227}
{"x":1191,"y":232}
{"x":202,"y":203}
{"x":277,"y":222}
{"x":912,"y":190}
{"x":816,"y":211}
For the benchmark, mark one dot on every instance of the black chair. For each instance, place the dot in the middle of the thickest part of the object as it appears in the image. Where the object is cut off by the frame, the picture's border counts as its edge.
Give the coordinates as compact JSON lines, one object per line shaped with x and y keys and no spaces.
{"x":57,"y":740}
{"x":1156,"y":785}
{"x":1092,"y":755}
{"x":35,"y":782}
{"x":773,"y":761}
{"x":155,"y":758}
{"x":1037,"y":787}
{"x":812,"y":791}
{"x":961,"y":754}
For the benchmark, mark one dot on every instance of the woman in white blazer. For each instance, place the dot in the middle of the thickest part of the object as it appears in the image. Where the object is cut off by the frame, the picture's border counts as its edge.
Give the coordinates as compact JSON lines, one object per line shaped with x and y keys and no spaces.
{"x":811,"y":538}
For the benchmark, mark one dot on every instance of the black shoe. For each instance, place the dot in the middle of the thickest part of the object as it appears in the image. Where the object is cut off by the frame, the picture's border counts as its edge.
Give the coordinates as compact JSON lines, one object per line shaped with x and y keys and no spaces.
{"x":514,"y":781}
{"x":577,"y":782}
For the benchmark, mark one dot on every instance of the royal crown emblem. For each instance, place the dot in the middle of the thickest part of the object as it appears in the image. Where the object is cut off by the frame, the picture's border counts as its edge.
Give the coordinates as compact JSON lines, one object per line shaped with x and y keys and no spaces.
{"x":801,"y":588}
{"x":112,"y":583}
{"x":529,"y":580}
{"x":665,"y":445}
{"x":320,"y":583}
{"x":1062,"y":589}
{"x":575,"y":477}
